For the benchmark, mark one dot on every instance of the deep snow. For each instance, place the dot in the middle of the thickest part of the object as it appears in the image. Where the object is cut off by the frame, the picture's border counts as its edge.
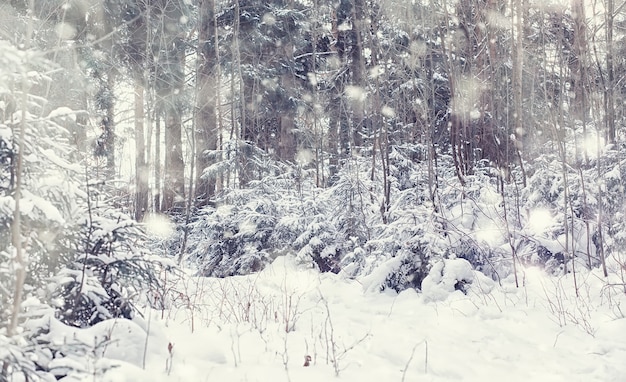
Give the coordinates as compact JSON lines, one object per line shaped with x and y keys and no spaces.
{"x":235,"y":329}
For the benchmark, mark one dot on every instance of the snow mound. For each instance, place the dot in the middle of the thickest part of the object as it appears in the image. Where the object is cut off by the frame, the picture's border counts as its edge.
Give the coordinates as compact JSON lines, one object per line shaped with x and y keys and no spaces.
{"x":63,"y":112}
{"x":261,"y":327}
{"x":126,"y":340}
{"x":116,"y":339}
{"x":451,"y":275}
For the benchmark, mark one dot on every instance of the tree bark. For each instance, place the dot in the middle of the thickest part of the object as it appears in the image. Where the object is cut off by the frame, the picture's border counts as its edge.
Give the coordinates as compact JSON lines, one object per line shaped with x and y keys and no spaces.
{"x":287,"y":145}
{"x":16,"y":223}
{"x":157,"y":158}
{"x":357,"y":69}
{"x":141,"y":170}
{"x":174,"y":182}
{"x":109,"y":127}
{"x":578,"y":63}
{"x":518,"y":89}
{"x":610,"y":72}
{"x":206,"y":125}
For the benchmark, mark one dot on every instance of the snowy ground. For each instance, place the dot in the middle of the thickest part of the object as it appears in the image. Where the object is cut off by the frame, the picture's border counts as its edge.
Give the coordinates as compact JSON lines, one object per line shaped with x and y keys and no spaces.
{"x":261,"y":328}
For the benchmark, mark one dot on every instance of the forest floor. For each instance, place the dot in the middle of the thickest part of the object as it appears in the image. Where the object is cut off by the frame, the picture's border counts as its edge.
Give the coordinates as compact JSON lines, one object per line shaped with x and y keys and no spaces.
{"x":262,"y":327}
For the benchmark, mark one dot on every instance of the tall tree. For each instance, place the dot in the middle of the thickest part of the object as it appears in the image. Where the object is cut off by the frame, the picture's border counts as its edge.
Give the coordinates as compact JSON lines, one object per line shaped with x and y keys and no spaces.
{"x":206,"y":90}
{"x":610,"y":72}
{"x":269,"y":33}
{"x":347,"y":91}
{"x":141,"y":169}
{"x":174,"y":81}
{"x":578,"y":63}
{"x":518,"y":78}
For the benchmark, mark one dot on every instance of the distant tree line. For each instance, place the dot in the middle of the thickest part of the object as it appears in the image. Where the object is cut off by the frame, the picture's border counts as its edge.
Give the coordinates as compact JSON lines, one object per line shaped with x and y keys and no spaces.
{"x":219,"y":83}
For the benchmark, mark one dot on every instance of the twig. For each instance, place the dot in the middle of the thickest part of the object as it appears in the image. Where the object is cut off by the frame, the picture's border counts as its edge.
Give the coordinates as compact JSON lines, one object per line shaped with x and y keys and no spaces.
{"x":145,"y":345}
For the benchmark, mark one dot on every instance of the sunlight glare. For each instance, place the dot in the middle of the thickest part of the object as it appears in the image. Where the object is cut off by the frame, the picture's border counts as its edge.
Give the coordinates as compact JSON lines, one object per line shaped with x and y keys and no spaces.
{"x":539,"y":220}
{"x":158,"y":225}
{"x":590,"y":145}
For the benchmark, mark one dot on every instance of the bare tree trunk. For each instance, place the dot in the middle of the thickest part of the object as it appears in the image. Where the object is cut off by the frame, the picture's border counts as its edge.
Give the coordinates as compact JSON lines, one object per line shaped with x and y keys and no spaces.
{"x":610,"y":73}
{"x":109,"y":127}
{"x":333,"y":146}
{"x":245,"y":121}
{"x":173,"y":184}
{"x":16,"y":229}
{"x":219,"y":184}
{"x":206,"y":125}
{"x":149,"y":131}
{"x":518,"y":86}
{"x":287,"y":145}
{"x":319,"y":133}
{"x":141,"y":170}
{"x":430,"y":126}
{"x":454,"y":120}
{"x":562,"y":149}
{"x":380,"y":127}
{"x":157,"y":158}
{"x":16,"y":223}
{"x":600,"y":218}
{"x":578,"y":63}
{"x":347,"y":109}
{"x":357,"y":68}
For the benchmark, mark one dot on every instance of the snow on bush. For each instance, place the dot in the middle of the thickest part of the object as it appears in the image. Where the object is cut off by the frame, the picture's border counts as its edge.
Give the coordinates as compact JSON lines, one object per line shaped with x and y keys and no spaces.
{"x":450,"y":275}
{"x":350,"y":228}
{"x":71,"y":353}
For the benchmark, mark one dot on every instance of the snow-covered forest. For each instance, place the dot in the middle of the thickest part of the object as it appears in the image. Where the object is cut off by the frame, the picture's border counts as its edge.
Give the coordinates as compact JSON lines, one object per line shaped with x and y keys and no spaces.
{"x":308,"y":190}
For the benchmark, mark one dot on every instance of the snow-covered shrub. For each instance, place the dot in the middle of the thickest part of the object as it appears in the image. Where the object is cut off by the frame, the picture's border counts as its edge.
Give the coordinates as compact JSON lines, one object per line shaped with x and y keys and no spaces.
{"x":412,"y":266}
{"x":445,"y":277}
{"x":351,"y":201}
{"x":493,"y":262}
{"x":233,"y":238}
{"x":407,"y":166}
{"x":17,"y":354}
{"x":73,"y":241}
{"x":276,"y":215}
{"x":316,"y":239}
{"x":614,"y":201}
{"x":110,"y":267}
{"x":397,"y":254}
{"x":74,"y":353}
{"x":350,"y":228}
{"x":47,"y":191}
{"x":561,"y":222}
